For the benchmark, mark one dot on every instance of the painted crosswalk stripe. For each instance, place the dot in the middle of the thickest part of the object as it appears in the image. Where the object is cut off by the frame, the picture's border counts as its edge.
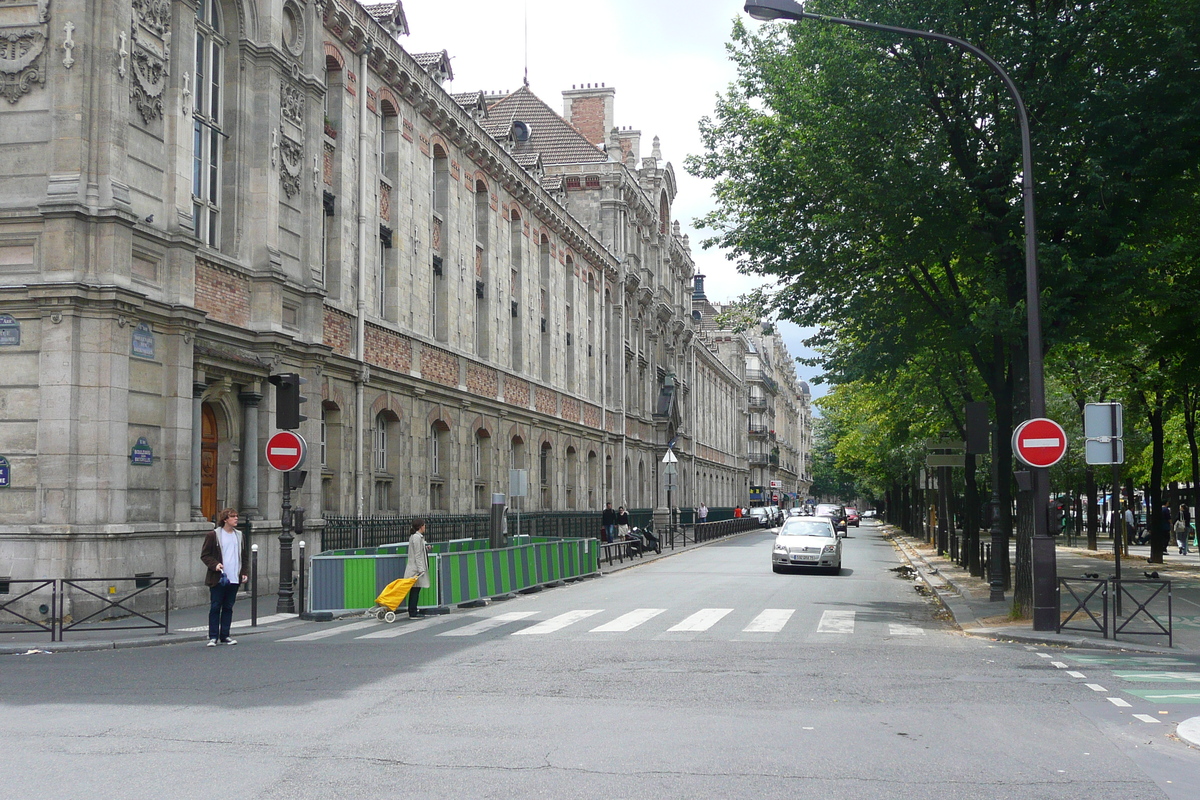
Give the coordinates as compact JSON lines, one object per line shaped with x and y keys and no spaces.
{"x":1058,"y":665}
{"x":770,"y":620}
{"x":392,"y":631}
{"x":558,"y":623}
{"x":489,"y":623}
{"x":836,"y":622}
{"x":1095,"y":687}
{"x":1116,"y":701}
{"x":244,"y":623}
{"x":702,"y":620}
{"x":1145,"y":718}
{"x":902,"y":629}
{"x":1075,"y":674}
{"x":327,"y":632}
{"x":627,"y":622}
{"x":1044,"y":655}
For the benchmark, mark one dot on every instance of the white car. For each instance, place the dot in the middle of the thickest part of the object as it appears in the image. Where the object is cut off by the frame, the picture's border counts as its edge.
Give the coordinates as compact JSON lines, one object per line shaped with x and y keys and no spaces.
{"x":807,"y":542}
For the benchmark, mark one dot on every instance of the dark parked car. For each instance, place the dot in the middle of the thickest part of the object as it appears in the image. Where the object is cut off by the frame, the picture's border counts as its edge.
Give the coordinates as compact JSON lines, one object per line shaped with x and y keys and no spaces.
{"x":763,"y":515}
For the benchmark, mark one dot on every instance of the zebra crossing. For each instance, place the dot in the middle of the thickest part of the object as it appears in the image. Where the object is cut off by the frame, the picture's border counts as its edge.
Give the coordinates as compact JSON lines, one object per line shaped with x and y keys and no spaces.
{"x":832,"y":624}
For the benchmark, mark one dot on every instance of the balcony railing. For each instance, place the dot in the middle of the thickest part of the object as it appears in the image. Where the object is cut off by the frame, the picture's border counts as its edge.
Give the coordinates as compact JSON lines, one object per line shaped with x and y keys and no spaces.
{"x":758,"y":430}
{"x":758,"y":458}
{"x":757,"y":402}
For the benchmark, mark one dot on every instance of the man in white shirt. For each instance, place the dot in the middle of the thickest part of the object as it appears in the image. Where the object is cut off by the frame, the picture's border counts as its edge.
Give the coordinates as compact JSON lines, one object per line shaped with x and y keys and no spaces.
{"x":226,"y":553}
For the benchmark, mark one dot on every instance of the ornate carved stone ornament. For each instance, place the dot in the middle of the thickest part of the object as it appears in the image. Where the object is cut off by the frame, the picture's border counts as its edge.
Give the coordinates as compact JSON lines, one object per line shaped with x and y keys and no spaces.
{"x":23,"y":38}
{"x":292,"y":161}
{"x":150,"y":56}
{"x":291,"y":104}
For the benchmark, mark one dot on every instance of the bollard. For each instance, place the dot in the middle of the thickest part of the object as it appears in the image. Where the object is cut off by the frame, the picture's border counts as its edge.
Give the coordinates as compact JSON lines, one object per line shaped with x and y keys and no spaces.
{"x":300,"y":599}
{"x":253,"y":586}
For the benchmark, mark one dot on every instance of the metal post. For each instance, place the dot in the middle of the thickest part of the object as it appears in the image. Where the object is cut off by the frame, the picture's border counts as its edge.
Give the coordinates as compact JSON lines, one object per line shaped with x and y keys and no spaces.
{"x":286,"y":603}
{"x":496,"y":522}
{"x":1120,"y":535}
{"x":300,"y":601}
{"x":253,"y":586}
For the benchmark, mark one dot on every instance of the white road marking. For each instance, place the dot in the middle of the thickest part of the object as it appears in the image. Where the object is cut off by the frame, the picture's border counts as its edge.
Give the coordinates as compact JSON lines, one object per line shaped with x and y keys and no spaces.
{"x":244,"y":623}
{"x":902,"y":629}
{"x":702,"y":620}
{"x":558,"y":623}
{"x":392,"y":631}
{"x":1074,"y":674}
{"x":1116,"y":701}
{"x":771,"y":620}
{"x":1044,"y":655}
{"x":1146,"y":718}
{"x":489,"y":623}
{"x":1058,"y":665}
{"x":627,"y":622}
{"x":327,"y":632}
{"x":1095,"y":687}
{"x":836,"y":622}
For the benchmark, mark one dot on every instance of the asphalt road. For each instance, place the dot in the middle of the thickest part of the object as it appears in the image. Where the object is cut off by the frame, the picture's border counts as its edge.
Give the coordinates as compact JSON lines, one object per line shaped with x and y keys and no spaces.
{"x":700,"y":675}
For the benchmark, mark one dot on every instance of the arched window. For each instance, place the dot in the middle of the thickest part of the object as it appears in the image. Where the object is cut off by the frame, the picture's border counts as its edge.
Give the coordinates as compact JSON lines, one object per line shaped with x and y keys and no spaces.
{"x":385,"y":460}
{"x":440,"y":459}
{"x":208,"y":130}
{"x":572,"y":469}
{"x":545,"y":467}
{"x":481,"y":467}
{"x":593,"y":478}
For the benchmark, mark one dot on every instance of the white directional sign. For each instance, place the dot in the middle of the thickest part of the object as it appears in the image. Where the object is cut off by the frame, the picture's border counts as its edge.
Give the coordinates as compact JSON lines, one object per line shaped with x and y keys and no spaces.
{"x":1100,"y":451}
{"x":1098,"y":420}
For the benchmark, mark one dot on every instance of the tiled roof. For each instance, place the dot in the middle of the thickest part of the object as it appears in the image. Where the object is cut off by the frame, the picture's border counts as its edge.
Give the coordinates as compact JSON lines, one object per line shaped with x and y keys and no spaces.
{"x":439,"y":60}
{"x":390,"y":15}
{"x":551,"y":136}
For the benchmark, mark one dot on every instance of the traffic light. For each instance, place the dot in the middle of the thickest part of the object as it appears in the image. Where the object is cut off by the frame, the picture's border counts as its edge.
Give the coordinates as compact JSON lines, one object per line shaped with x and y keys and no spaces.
{"x":288,"y":400}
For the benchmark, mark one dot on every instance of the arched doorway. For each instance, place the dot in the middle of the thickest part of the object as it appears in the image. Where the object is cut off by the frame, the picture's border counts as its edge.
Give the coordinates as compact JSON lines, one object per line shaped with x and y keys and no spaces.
{"x":208,"y":463}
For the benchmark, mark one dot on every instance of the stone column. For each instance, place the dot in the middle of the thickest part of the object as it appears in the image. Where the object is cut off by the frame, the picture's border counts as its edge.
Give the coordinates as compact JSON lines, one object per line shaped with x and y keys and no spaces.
{"x":250,"y":400}
{"x":197,"y":444}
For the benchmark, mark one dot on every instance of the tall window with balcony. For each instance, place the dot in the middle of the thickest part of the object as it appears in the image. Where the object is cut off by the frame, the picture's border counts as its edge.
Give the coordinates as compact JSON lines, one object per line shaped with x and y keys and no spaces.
{"x":483,"y":220}
{"x":590,"y":364}
{"x":387,"y":273}
{"x":569,"y":323}
{"x":572,"y":469}
{"x":208,"y":129}
{"x":438,"y":243}
{"x":516,"y":249}
{"x":544,"y":305}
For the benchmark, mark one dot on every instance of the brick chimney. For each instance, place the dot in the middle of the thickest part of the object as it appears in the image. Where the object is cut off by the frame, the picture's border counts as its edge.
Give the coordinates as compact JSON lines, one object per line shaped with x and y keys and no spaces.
{"x":590,"y":109}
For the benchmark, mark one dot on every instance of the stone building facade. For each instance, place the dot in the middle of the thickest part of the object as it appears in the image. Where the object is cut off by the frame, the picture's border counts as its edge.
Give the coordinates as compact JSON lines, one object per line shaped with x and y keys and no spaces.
{"x":195,"y":195}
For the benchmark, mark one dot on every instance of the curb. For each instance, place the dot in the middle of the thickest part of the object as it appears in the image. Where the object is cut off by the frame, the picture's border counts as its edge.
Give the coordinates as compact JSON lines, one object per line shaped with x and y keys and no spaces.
{"x":158,"y":640}
{"x":1189,"y":731}
{"x":951,"y":596}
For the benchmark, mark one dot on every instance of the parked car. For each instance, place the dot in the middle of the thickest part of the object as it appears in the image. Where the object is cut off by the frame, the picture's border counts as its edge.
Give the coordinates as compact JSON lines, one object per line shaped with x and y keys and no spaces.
{"x":777,"y":514}
{"x":763,"y":515}
{"x":795,"y":512}
{"x":852,"y":516}
{"x":835,"y":512}
{"x":868,"y":513}
{"x":807,"y":542}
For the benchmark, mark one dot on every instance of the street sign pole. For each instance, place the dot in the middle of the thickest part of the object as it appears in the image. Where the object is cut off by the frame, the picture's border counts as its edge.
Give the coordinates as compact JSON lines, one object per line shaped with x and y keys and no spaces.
{"x":286,"y":451}
{"x":1120,"y":535}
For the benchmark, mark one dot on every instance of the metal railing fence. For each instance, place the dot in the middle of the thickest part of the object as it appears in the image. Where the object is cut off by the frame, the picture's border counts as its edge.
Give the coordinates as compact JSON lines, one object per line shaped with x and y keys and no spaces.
{"x":54,"y":620}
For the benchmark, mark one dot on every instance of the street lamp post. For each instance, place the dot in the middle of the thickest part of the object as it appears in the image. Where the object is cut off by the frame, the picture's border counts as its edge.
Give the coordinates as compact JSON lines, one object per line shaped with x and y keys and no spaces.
{"x":1045,"y":613}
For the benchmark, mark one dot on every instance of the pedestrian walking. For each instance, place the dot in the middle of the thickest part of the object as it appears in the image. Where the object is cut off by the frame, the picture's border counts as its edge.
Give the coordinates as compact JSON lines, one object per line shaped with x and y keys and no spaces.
{"x":622,"y":521}
{"x":702,"y":513}
{"x":417,"y":565}
{"x":737,"y":512}
{"x":1182,"y":529}
{"x":608,"y":522}
{"x":1130,"y":526}
{"x":226,"y":553}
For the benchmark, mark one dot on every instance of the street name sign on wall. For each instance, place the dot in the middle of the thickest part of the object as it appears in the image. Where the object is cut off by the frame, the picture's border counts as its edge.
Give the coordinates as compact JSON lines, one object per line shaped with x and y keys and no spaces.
{"x":1039,"y":442}
{"x":286,"y":451}
{"x":4,"y":473}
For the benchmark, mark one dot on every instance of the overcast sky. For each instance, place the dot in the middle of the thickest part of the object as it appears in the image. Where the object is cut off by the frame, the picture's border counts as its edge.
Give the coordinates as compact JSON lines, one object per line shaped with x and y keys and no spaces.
{"x":665,"y":58}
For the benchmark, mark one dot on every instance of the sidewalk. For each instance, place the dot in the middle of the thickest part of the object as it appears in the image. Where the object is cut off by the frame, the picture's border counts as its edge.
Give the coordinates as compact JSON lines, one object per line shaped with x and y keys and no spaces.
{"x":190,"y":625}
{"x":967,"y":597}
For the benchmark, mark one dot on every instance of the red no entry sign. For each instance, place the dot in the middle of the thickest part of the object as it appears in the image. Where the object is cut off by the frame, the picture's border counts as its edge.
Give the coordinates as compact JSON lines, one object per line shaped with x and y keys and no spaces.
{"x":1039,"y":442}
{"x":286,"y":451}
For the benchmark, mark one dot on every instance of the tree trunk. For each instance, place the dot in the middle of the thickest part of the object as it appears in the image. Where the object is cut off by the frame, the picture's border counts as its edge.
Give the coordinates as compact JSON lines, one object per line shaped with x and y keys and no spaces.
{"x":1158,"y":526}
{"x":1092,"y":508}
